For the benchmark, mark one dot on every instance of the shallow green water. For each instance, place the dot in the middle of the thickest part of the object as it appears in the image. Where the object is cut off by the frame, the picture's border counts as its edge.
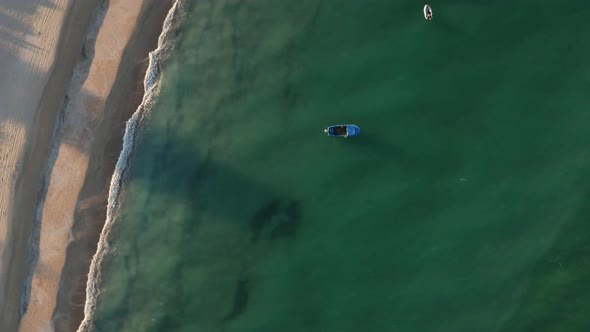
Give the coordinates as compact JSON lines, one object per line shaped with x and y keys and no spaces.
{"x":463,"y":205}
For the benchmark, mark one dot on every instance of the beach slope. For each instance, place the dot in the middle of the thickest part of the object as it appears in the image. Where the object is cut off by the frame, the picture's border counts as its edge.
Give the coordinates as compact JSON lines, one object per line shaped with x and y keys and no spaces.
{"x":105,"y":89}
{"x":39,"y":44}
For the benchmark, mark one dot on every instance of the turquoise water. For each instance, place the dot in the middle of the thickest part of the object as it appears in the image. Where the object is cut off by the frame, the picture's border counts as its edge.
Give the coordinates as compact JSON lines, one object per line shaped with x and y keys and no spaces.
{"x":463,"y":205}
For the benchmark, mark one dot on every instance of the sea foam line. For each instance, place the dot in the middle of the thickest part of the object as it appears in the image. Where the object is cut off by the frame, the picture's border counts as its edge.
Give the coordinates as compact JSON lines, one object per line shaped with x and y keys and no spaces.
{"x":151,"y":85}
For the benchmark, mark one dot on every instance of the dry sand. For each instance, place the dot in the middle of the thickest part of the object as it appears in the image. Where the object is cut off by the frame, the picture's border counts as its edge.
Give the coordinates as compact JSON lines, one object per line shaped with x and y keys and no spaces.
{"x":40,"y":43}
{"x":36,"y":37}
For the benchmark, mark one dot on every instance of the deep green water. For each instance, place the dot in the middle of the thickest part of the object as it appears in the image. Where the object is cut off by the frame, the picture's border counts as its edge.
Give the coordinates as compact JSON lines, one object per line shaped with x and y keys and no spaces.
{"x":463,"y":205}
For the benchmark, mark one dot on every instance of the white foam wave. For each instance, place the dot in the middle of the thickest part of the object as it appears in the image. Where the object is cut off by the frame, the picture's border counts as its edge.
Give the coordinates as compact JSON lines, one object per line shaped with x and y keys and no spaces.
{"x":151,"y":84}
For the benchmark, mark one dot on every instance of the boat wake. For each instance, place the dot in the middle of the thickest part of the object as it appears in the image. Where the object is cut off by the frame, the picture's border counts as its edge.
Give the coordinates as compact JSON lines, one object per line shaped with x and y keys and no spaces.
{"x":151,"y":86}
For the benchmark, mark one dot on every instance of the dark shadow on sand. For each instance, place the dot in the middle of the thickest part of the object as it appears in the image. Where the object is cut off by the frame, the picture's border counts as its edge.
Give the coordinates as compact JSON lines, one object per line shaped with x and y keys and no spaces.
{"x":60,"y":138}
{"x":12,"y":38}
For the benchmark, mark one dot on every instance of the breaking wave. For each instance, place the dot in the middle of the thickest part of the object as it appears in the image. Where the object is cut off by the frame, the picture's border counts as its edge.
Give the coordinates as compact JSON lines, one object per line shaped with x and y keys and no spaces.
{"x":151,"y":84}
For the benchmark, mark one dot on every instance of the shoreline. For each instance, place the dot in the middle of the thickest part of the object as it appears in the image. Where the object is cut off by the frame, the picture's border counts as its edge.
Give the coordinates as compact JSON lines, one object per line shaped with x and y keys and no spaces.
{"x":88,"y":290}
{"x":105,"y":90}
{"x":151,"y":82}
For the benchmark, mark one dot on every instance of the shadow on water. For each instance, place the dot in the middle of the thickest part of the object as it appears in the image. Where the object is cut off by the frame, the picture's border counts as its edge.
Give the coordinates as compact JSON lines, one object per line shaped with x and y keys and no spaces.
{"x":180,"y":171}
{"x":422,"y":176}
{"x":248,"y":218}
{"x":240,"y":299}
{"x":378,"y":151}
{"x":375,"y":144}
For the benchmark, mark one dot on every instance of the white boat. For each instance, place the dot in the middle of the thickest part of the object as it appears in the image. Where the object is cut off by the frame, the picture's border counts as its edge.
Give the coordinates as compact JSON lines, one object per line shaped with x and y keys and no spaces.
{"x":427,"y":12}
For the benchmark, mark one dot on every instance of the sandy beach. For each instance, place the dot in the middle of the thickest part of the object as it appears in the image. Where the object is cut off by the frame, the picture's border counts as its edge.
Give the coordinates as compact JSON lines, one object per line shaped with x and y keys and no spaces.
{"x":71,"y":71}
{"x":39,"y":45}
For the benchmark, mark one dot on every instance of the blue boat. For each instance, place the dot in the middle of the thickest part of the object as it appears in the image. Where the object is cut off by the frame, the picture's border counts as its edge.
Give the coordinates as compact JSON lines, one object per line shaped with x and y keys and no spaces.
{"x":344,"y":130}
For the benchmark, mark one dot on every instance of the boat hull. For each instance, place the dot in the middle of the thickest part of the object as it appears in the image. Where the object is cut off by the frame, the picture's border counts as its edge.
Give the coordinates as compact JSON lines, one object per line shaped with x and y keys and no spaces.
{"x":347,"y":130}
